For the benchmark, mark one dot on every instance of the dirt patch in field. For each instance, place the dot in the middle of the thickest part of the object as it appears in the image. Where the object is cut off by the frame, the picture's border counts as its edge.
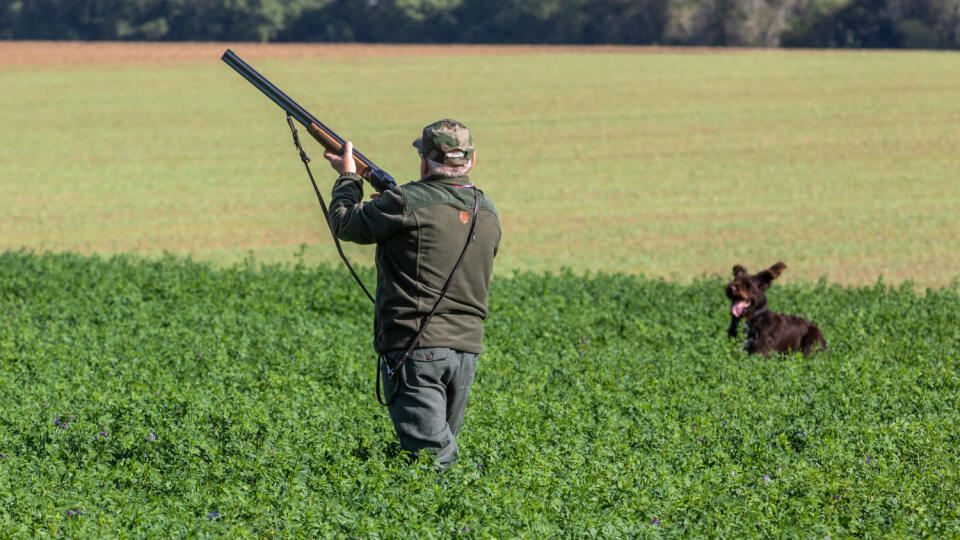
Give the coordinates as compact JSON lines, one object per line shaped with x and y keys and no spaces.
{"x":29,"y":53}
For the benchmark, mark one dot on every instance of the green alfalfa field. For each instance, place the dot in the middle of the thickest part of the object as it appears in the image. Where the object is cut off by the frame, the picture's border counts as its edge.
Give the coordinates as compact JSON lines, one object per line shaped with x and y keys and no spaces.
{"x":180,"y":356}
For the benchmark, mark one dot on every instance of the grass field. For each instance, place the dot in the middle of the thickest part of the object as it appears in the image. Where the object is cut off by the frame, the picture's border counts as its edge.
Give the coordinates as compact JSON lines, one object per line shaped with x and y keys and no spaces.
{"x":173,"y":399}
{"x":650,"y":161}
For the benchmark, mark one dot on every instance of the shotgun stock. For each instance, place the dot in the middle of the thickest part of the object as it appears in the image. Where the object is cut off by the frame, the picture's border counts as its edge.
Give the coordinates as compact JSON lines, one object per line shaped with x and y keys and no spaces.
{"x":378,"y":178}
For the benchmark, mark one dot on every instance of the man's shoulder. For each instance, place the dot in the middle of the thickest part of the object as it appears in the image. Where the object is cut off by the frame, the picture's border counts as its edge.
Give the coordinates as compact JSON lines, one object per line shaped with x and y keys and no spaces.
{"x":421,"y":193}
{"x":486,"y":203}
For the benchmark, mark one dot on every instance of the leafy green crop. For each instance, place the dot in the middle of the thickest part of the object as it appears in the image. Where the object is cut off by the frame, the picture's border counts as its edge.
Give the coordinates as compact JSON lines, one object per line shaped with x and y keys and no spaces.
{"x":169,"y":397}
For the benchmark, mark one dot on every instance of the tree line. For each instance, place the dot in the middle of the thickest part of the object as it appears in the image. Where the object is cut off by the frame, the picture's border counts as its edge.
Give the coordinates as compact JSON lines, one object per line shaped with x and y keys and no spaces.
{"x":930,"y":24}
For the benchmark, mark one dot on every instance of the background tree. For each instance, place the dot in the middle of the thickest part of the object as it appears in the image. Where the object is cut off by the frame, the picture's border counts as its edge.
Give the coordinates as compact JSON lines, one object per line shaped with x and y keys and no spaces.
{"x":745,"y":23}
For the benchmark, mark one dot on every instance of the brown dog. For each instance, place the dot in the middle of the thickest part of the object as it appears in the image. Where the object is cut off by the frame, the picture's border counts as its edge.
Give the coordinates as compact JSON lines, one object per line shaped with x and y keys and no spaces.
{"x":767,"y":331}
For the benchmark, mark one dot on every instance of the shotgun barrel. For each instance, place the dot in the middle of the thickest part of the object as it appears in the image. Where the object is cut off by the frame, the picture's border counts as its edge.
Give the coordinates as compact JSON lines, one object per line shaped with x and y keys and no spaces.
{"x":378,"y":178}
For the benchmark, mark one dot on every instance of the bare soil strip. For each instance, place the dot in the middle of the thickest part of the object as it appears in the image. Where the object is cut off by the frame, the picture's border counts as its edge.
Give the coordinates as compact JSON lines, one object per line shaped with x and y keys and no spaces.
{"x":32,"y":53}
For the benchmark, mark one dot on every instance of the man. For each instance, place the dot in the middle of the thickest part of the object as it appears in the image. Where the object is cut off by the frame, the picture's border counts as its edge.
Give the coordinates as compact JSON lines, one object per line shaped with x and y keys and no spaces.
{"x":420,"y":230}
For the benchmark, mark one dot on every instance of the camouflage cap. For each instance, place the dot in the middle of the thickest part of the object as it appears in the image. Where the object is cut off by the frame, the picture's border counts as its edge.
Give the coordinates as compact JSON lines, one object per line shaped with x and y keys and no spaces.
{"x":446,"y":142}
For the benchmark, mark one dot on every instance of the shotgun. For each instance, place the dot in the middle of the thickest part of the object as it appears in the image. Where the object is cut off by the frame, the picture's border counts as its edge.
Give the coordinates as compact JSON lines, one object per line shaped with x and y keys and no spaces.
{"x":378,"y":178}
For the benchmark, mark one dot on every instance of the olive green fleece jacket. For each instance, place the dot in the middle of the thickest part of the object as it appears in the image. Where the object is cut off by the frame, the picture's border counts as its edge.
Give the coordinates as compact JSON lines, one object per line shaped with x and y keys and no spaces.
{"x":420,"y":229}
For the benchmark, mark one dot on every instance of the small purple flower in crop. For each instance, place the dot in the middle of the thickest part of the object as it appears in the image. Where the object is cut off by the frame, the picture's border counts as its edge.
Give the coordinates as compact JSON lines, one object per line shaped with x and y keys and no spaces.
{"x":144,"y":456}
{"x":69,"y":419}
{"x":4,"y":456}
{"x":56,"y":421}
{"x":869,"y":459}
{"x":836,"y":497}
{"x":585,"y":340}
{"x":655,"y":521}
{"x":95,"y":439}
{"x":699,"y":438}
{"x":69,"y":512}
{"x":733,"y":473}
{"x":293,"y":359}
{"x":104,"y":433}
{"x":766,"y":479}
{"x":152,"y":437}
{"x":200,"y":355}
{"x":465,"y":528}
{"x":212,"y":516}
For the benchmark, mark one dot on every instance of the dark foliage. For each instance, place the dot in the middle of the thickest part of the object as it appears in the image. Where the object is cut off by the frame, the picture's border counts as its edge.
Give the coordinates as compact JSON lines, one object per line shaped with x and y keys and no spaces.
{"x":929,"y":24}
{"x":795,"y":23}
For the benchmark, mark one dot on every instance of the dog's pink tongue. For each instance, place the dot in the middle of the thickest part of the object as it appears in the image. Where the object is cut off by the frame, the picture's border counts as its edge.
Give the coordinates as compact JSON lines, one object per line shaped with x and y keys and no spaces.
{"x":738,"y":308}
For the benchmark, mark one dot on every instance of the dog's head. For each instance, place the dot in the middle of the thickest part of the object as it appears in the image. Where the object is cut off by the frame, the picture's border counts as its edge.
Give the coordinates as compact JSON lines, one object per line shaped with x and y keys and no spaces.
{"x":746,"y":291}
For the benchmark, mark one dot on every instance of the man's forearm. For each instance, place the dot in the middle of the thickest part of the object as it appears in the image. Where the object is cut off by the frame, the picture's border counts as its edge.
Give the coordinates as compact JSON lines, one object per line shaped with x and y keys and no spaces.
{"x":345,"y":222}
{"x":348,"y":189}
{"x":364,"y":223}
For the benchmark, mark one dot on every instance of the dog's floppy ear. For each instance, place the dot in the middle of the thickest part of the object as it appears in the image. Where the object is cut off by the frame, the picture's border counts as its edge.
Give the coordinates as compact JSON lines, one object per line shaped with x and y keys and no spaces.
{"x":738,"y":269}
{"x":771,"y":274}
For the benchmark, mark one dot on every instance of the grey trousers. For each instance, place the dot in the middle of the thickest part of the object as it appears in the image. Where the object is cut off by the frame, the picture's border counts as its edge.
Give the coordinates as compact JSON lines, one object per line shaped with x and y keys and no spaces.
{"x":429,"y":408}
